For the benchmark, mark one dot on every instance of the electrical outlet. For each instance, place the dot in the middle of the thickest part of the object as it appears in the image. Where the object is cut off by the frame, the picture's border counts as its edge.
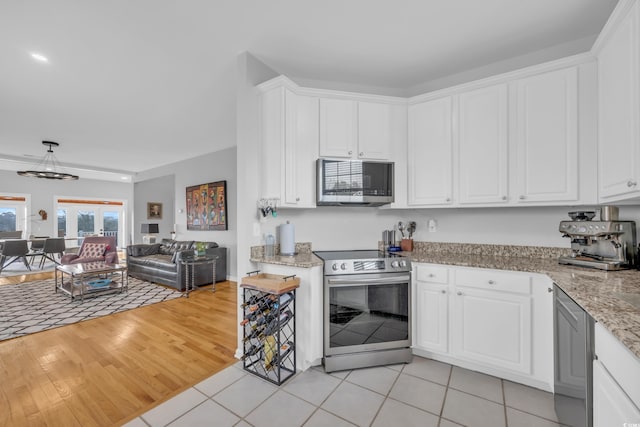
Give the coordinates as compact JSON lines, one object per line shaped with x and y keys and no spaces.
{"x":432,"y":226}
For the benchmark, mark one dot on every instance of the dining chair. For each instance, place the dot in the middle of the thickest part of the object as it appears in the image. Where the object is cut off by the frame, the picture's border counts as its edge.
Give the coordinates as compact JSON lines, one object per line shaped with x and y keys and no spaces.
{"x":37,"y":244}
{"x":51,"y":247}
{"x":12,"y":251}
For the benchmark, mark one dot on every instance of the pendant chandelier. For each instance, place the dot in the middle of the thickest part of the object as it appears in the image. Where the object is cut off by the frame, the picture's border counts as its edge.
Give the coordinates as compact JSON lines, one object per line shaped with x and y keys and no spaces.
{"x":48,"y":167}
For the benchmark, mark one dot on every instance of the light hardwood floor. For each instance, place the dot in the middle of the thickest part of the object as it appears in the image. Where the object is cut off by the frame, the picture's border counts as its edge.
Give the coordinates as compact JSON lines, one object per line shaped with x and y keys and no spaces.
{"x":109,"y":370}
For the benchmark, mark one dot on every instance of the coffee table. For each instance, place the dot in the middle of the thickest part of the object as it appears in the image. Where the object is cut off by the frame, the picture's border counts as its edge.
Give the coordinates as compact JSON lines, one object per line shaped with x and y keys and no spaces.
{"x":91,"y":279}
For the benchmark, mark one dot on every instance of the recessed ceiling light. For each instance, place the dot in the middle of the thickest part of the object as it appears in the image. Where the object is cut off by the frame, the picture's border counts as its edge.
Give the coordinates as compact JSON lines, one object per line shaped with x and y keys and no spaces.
{"x":39,"y":57}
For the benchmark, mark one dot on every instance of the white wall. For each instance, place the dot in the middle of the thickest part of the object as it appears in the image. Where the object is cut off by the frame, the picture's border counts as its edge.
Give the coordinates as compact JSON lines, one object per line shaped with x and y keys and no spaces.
{"x":43,"y":192}
{"x":361,"y":228}
{"x":160,"y":190}
{"x":212,"y":167}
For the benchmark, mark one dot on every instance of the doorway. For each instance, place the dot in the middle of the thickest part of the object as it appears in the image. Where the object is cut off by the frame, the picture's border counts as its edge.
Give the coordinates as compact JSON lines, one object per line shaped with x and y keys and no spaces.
{"x":83,"y":218}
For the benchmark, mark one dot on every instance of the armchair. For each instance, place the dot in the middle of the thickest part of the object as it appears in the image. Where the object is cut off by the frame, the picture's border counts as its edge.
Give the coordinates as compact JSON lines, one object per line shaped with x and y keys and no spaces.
{"x":87,"y":254}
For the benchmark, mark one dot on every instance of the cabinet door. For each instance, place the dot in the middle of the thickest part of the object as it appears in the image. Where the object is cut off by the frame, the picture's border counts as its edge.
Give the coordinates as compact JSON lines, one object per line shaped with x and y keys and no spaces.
{"x":493,"y":328}
{"x":611,"y":405}
{"x":374,"y":130}
{"x":338,"y":127}
{"x":432,"y":313}
{"x":272,"y":122}
{"x":547,"y":137}
{"x":619,"y":116}
{"x":300,"y":151}
{"x":482,"y":140}
{"x":430,"y":153}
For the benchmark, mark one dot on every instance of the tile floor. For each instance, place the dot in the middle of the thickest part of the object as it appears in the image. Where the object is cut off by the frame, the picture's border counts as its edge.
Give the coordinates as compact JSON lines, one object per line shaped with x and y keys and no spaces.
{"x":423,"y":393}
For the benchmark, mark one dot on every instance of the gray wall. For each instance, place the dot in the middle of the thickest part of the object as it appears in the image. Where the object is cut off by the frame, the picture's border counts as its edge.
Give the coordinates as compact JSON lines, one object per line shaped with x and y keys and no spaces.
{"x":44,"y":191}
{"x":160,"y":190}
{"x":212,"y":167}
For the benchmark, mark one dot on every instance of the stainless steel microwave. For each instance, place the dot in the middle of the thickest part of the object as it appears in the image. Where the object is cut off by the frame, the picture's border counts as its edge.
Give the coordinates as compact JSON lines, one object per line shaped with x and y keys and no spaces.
{"x":354,"y":183}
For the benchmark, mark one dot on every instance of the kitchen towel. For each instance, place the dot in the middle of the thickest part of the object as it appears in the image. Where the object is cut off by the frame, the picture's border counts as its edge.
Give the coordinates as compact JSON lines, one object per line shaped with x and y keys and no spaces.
{"x":287,"y":239}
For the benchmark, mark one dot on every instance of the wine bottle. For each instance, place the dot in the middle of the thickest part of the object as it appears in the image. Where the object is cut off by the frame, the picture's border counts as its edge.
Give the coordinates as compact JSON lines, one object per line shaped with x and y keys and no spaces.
{"x":285,"y":350}
{"x":276,"y":324}
{"x":252,"y":351}
{"x":253,"y":299}
{"x":256,"y":333}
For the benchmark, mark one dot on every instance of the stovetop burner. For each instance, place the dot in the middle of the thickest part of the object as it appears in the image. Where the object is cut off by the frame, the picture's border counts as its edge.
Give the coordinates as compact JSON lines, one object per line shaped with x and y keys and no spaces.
{"x":354,"y":255}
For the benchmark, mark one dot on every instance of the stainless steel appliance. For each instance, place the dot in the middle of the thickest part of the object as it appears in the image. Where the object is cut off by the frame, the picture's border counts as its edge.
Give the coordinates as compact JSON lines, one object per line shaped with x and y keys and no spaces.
{"x":367,"y":309}
{"x":606,"y":245}
{"x":354,"y":182}
{"x":573,"y":344}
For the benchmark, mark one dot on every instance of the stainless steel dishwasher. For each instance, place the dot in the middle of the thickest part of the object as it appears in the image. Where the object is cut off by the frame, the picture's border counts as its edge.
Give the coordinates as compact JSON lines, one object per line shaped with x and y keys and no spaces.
{"x":573,"y":361}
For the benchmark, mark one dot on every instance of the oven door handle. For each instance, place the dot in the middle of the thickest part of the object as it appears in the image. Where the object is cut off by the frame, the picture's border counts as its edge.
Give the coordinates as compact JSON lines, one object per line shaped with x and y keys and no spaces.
{"x":377,"y":281}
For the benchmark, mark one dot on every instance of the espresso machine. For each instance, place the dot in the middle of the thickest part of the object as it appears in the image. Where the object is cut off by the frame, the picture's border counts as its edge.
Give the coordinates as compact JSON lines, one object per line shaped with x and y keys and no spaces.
{"x":607,"y":244}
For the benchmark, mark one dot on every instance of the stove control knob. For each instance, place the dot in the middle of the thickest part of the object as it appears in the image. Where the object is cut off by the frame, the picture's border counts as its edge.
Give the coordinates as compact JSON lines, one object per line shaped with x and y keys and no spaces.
{"x":403,"y":263}
{"x":395,"y":264}
{"x":343,"y":266}
{"x":334,"y":267}
{"x":582,"y":229}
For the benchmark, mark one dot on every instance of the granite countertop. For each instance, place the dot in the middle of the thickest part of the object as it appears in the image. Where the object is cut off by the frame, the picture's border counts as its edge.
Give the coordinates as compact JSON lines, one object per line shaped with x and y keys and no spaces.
{"x":610,"y":297}
{"x":301,"y":259}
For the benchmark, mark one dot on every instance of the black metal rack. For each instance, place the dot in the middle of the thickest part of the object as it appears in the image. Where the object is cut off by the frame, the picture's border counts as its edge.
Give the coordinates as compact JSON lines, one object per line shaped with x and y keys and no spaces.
{"x":269,"y":332}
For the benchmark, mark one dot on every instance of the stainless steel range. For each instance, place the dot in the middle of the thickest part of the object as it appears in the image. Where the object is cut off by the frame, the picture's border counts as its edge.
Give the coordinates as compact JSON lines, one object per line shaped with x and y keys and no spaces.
{"x":367,"y":309}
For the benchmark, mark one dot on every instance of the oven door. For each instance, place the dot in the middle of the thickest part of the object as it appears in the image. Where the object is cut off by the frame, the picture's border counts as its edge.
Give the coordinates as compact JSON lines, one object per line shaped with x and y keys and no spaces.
{"x":366,"y":312}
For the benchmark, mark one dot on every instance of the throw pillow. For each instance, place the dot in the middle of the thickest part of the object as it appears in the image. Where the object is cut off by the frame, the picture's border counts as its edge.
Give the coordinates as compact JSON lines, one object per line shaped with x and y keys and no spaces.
{"x":93,"y":250}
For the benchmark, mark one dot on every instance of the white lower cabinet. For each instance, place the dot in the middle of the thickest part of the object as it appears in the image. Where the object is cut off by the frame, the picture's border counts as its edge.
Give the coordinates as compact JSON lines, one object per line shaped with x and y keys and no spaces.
{"x":491,"y":321}
{"x":616,"y":382}
{"x":493,"y":328}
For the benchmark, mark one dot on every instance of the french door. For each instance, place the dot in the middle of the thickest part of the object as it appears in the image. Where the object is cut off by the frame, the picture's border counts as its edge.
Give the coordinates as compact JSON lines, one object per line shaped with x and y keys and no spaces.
{"x":82,"y":218}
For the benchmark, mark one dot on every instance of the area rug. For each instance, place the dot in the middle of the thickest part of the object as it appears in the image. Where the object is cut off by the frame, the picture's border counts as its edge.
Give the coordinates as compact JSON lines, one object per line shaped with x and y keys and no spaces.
{"x":18,"y":268}
{"x":34,"y":306}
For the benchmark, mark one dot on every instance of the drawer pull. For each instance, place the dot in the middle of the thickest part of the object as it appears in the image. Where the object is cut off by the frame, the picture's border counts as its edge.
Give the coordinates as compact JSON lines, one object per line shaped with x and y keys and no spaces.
{"x":491,"y":282}
{"x":443,"y":291}
{"x":459,"y":292}
{"x":432,"y":275}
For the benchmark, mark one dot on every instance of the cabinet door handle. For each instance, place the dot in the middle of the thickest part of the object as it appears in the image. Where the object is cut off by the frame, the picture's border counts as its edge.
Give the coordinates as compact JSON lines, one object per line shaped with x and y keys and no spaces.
{"x":491,"y":282}
{"x":549,"y":289}
{"x":361,"y":154}
{"x":443,"y":291}
{"x":432,"y":275}
{"x":631,"y":183}
{"x":522,"y":197}
{"x":350,"y":152}
{"x":504,"y":197}
{"x":448,"y":199}
{"x":459,"y":293}
{"x":297,"y":199}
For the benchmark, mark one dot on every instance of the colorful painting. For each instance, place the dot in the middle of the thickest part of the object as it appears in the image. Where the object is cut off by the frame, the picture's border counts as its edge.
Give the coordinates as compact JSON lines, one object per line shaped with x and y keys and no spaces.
{"x":207,"y":206}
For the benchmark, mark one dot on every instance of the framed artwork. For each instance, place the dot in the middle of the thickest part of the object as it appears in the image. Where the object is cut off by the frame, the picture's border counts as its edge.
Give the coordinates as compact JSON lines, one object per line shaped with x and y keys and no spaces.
{"x":207,"y":206}
{"x":154,"y":210}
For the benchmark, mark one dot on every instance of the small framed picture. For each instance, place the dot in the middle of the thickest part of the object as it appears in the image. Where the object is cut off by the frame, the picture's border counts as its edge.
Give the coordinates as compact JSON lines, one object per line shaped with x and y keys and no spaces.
{"x":154,"y":210}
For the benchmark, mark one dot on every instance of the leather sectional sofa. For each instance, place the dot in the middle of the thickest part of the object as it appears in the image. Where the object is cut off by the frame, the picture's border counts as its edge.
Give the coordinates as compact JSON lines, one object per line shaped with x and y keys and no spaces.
{"x":159,"y":263}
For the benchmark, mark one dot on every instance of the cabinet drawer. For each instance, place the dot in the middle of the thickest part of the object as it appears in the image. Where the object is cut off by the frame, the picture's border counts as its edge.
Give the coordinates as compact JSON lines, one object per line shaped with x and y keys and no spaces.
{"x":623,"y":366}
{"x":496,"y":280}
{"x":432,"y":274}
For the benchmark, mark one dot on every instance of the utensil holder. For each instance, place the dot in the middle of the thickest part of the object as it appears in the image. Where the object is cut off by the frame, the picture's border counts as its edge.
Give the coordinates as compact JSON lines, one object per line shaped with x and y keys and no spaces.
{"x":406,"y":245}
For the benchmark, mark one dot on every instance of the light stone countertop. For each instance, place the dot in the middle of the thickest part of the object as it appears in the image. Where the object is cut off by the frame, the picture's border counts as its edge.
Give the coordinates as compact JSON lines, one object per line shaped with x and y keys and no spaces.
{"x":611,"y":298}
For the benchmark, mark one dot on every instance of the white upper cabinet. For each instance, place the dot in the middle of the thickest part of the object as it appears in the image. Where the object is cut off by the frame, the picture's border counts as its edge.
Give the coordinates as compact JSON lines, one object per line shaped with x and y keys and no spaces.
{"x":338,"y":128}
{"x":546,"y":137}
{"x":355,"y":129}
{"x":374,"y":130}
{"x":483,"y":131}
{"x":289,"y":147}
{"x":619,"y":110}
{"x":430,"y":153}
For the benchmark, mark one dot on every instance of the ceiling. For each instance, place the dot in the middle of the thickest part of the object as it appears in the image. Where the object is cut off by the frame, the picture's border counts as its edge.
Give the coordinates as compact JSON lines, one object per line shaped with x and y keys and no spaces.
{"x":131,"y":85}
